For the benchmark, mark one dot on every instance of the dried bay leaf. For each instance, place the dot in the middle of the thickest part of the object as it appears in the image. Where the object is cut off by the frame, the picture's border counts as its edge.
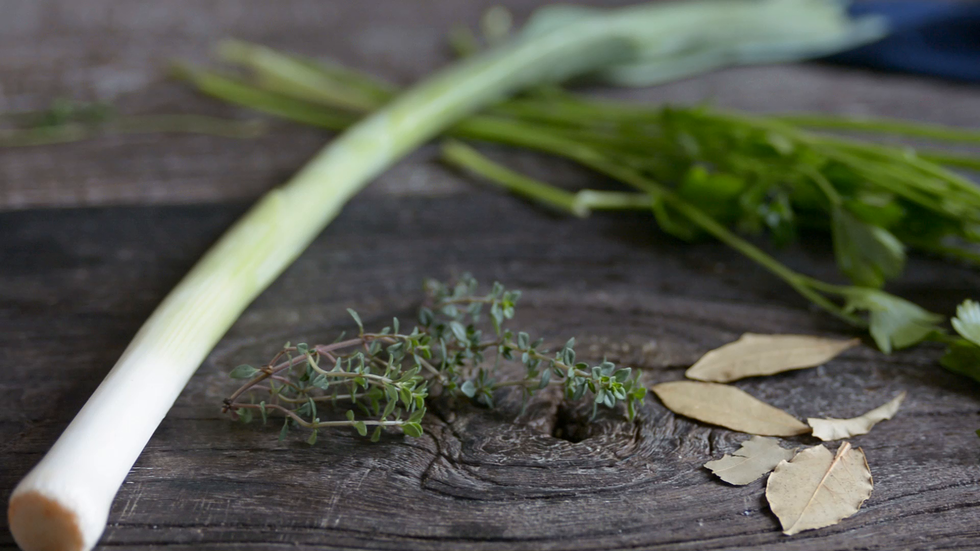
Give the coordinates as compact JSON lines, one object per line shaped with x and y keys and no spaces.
{"x":755,"y":458}
{"x":728,"y":407}
{"x":838,"y":429}
{"x":753,"y":355}
{"x":817,"y":489}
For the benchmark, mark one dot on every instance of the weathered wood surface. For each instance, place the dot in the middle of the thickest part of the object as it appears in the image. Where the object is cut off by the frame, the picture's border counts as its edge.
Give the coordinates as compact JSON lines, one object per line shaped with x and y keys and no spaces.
{"x":76,"y":283}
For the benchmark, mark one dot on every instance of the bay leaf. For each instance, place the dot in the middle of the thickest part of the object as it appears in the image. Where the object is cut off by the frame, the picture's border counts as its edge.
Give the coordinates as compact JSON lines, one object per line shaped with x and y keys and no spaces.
{"x":728,"y":407}
{"x":817,"y":489}
{"x":838,"y":429}
{"x":753,"y":355}
{"x":755,"y":458}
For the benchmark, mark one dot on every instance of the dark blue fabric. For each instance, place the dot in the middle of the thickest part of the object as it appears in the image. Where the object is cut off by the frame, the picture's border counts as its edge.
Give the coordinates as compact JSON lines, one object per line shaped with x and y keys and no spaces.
{"x":931,"y":37}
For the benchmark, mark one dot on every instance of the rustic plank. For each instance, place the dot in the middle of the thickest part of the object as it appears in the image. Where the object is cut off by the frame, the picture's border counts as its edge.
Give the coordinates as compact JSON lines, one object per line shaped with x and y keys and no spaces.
{"x":76,"y":284}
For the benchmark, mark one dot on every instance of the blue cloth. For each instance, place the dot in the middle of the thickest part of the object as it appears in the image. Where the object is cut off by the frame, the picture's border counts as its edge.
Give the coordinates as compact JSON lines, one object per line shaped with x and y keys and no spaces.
{"x":930,"y":37}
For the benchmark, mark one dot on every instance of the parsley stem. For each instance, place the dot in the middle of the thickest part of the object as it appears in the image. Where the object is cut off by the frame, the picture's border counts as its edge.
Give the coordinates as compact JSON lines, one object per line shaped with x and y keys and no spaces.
{"x":801,"y":284}
{"x":591,"y":199}
{"x":883,"y":126}
{"x":824,"y":185}
{"x":895,"y":156}
{"x":950,"y":159}
{"x":142,"y":124}
{"x":463,"y":156}
{"x":959,"y":253}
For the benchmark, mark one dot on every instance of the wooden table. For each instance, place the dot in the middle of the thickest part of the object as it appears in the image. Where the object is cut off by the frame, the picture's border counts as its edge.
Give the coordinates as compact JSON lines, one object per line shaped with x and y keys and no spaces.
{"x":93,"y":234}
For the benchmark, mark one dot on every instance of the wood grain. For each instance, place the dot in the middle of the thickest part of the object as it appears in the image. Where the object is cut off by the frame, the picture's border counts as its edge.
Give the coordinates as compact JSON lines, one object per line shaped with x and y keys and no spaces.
{"x":76,"y":283}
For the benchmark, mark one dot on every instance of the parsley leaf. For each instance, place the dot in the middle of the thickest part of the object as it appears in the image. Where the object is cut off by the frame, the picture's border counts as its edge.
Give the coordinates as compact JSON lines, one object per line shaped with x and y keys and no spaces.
{"x":963,"y":357}
{"x":895,"y":323}
{"x":967,"y":321}
{"x":869,"y":255}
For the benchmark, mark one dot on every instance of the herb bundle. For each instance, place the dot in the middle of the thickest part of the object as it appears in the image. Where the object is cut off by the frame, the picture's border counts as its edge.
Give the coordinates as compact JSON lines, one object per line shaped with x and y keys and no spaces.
{"x":701,"y":172}
{"x":383,"y":378}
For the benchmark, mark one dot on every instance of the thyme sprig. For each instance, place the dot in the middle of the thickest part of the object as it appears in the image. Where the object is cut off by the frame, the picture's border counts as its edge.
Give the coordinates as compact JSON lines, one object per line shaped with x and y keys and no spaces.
{"x":457,"y":349}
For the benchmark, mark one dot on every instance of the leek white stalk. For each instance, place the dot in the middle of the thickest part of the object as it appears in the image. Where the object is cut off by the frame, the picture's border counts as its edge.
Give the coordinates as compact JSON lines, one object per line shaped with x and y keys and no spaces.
{"x":63,"y":503}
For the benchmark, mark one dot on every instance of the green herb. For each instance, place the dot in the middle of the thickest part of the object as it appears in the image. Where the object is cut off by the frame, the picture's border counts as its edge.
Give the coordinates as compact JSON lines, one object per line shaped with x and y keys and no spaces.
{"x":383,"y":379}
{"x":963,"y":354}
{"x":705,"y":172}
{"x":967,"y":321}
{"x":884,"y":126}
{"x":68,"y":121}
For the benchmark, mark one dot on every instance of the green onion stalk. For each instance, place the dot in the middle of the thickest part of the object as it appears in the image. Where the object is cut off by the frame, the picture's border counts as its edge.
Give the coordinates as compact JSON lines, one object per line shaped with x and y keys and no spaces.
{"x":63,"y":503}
